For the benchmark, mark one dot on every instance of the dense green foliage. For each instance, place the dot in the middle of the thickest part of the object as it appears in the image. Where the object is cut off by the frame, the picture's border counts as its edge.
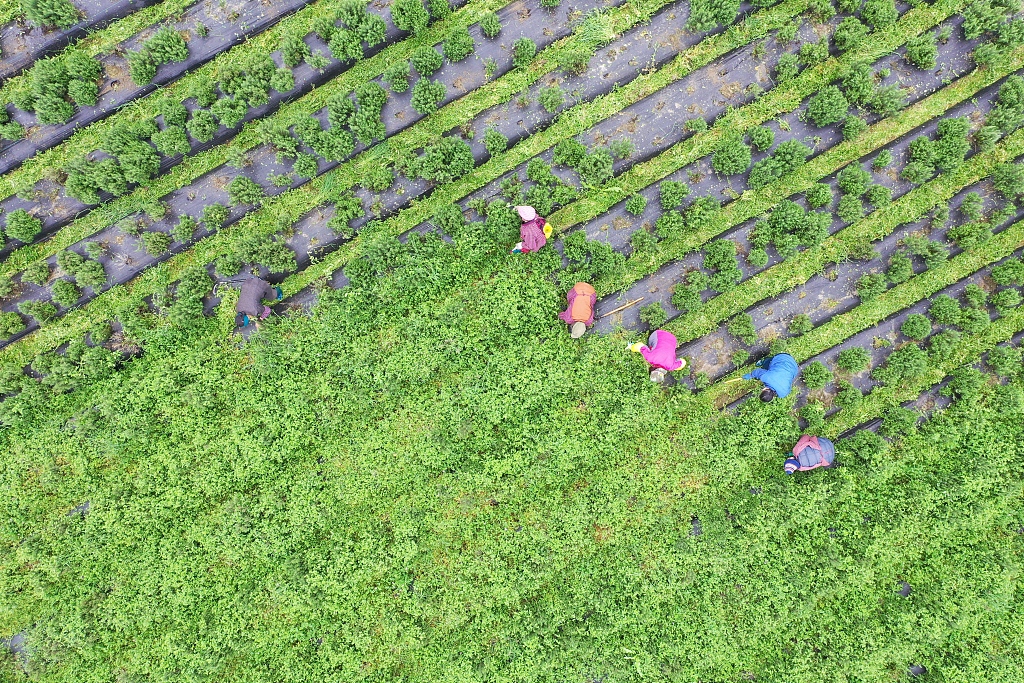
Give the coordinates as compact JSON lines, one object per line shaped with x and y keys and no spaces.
{"x":786,"y":158}
{"x":551,"y":98}
{"x":523,"y":52}
{"x":418,"y":475}
{"x":59,"y":13}
{"x":427,"y":94}
{"x":22,"y":226}
{"x":166,"y":45}
{"x":828,"y":106}
{"x":706,"y":14}
{"x":732,"y":157}
{"x":922,"y":51}
{"x":490,"y":25}
{"x":636,"y":204}
{"x":458,"y":46}
{"x":761,"y":137}
{"x":816,"y":375}
{"x":56,"y":85}
{"x":613,"y":468}
{"x":409,"y":15}
{"x":494,"y":141}
{"x":854,"y":359}
{"x":672,"y":193}
{"x":426,"y":61}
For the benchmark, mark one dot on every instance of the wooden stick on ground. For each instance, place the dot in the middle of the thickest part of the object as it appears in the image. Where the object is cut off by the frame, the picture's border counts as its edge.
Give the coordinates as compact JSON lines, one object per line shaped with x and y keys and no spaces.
{"x":622,"y":307}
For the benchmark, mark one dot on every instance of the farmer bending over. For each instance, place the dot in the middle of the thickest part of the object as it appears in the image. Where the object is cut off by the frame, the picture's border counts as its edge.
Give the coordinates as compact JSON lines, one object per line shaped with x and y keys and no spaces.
{"x":250,"y":305}
{"x":811,"y":452}
{"x":533,"y":233}
{"x":660,"y":354}
{"x":777,"y":374}
{"x":580,"y":313}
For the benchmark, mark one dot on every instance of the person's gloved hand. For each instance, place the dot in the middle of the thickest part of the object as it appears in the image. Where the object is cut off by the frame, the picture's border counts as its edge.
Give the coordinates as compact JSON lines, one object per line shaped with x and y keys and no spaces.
{"x":547,"y":230}
{"x":634,"y":347}
{"x":763,"y":363}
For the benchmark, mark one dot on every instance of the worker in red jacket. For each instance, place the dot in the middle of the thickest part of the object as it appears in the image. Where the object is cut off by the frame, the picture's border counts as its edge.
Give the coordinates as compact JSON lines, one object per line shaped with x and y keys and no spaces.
{"x":660,"y":354}
{"x":533,"y":233}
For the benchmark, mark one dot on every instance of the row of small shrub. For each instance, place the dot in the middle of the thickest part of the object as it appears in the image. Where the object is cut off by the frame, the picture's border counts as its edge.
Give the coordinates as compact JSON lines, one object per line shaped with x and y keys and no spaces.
{"x":53,"y":87}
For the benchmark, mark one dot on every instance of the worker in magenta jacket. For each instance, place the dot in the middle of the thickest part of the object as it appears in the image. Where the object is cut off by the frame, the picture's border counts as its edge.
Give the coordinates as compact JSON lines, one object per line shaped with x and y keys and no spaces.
{"x":809,"y":453}
{"x":533,"y":233}
{"x":580,"y":313}
{"x":660,"y":354}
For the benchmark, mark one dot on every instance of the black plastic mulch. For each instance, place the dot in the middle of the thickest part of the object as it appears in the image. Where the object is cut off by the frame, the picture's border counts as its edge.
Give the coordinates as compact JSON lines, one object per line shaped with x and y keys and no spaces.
{"x":21,"y":42}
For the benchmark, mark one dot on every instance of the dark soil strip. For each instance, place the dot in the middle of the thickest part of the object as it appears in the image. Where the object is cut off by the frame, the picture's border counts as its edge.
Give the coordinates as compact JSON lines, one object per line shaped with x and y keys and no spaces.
{"x":127,"y":257}
{"x":21,"y":43}
{"x":658,"y":287}
{"x":228,"y":25}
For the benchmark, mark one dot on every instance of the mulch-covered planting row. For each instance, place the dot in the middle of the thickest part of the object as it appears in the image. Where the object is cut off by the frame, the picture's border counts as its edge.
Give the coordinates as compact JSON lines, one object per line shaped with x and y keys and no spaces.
{"x":22,"y":43}
{"x":209,"y":27}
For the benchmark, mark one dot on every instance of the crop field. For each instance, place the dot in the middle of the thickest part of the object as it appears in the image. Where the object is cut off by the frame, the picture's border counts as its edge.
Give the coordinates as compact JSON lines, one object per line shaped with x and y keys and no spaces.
{"x":408,"y":470}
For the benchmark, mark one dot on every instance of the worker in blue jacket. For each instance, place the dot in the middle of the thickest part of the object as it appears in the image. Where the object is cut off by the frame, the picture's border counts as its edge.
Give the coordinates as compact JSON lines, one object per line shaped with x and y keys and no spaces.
{"x":777,"y":374}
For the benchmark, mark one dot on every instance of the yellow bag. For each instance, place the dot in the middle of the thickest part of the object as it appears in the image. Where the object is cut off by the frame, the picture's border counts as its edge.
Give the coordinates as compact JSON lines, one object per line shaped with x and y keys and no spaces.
{"x":547,"y":230}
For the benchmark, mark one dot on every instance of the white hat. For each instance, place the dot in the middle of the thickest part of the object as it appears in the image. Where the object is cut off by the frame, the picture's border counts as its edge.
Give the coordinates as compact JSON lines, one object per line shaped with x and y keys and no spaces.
{"x":578,"y":329}
{"x":527,"y":213}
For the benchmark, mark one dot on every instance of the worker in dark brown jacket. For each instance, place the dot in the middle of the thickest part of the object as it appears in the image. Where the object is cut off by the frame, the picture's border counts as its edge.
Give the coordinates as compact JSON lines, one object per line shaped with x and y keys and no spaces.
{"x":250,"y":307}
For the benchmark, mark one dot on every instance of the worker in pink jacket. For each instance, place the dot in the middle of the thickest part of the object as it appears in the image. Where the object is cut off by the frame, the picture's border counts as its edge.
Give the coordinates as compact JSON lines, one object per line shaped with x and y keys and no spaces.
{"x":660,"y":354}
{"x":533,"y":233}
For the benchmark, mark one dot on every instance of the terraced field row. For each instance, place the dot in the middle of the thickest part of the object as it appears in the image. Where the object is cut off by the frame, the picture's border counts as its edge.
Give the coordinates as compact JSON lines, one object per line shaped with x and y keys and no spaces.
{"x":643,"y":172}
{"x":499,"y":90}
{"x":433,"y":199}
